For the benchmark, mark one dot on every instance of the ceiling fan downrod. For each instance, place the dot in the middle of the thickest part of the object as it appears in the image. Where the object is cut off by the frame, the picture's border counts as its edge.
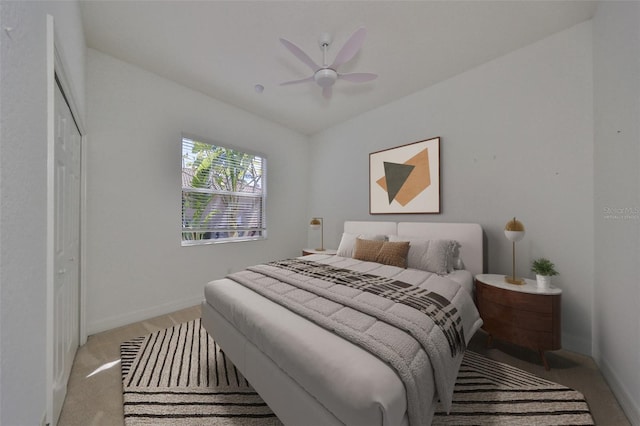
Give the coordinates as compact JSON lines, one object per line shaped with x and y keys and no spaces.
{"x":325,"y":76}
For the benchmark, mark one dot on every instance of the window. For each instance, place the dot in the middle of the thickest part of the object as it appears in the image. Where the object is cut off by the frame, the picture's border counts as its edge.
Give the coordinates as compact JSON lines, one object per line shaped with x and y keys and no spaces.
{"x":223,"y":194}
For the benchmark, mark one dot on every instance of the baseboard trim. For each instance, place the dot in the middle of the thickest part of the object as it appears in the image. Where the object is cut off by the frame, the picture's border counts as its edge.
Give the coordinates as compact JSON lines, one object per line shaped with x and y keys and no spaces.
{"x":629,"y":406}
{"x":141,"y":315}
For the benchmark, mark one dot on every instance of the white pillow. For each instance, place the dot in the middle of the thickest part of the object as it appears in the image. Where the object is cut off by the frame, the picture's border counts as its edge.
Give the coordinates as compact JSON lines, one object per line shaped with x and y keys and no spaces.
{"x":348,"y":242}
{"x":438,"y":256}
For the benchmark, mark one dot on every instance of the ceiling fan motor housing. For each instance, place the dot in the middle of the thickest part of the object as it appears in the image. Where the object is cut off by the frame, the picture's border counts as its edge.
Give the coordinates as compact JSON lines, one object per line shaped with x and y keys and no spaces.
{"x":325,"y":77}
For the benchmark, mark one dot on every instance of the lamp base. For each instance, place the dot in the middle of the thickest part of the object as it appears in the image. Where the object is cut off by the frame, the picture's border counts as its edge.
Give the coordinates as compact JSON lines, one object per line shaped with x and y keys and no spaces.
{"x":320,"y":249}
{"x":513,"y":280}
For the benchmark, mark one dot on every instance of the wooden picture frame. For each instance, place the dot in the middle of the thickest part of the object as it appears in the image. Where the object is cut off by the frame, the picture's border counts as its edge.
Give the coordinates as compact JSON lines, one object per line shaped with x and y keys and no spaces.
{"x":405,"y":179}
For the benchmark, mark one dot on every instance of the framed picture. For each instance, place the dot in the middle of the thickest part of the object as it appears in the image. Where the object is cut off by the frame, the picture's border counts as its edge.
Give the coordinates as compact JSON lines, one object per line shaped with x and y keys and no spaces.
{"x":405,"y":179}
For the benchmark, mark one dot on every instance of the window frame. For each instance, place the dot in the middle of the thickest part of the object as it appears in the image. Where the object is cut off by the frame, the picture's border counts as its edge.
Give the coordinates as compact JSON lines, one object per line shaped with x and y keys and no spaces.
{"x":263,"y":195}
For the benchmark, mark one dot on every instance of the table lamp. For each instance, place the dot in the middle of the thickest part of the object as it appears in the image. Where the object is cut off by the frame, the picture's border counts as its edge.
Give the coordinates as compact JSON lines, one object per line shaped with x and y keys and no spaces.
{"x":514,"y":231}
{"x":317,"y":223}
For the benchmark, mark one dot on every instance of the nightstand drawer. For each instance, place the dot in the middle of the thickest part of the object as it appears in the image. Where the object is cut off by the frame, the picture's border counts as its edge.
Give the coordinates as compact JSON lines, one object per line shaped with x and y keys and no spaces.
{"x":527,"y":320}
{"x":534,"y":339}
{"x":515,"y":300}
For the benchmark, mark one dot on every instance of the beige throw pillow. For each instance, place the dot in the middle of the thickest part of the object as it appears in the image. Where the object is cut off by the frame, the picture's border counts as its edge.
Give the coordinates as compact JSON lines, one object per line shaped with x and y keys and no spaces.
{"x":367,"y":250}
{"x":385,"y":252}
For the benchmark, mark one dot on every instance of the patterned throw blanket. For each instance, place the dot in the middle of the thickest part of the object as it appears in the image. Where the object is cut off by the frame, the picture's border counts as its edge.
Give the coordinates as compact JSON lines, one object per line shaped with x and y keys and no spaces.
{"x":409,"y":327}
{"x":428,"y":302}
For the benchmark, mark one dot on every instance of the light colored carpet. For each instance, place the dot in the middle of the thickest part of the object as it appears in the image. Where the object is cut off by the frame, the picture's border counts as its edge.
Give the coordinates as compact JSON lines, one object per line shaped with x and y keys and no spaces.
{"x":179,"y":376}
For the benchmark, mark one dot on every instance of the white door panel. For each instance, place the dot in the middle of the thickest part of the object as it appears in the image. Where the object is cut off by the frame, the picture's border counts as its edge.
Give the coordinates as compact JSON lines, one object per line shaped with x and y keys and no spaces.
{"x":66,"y":248}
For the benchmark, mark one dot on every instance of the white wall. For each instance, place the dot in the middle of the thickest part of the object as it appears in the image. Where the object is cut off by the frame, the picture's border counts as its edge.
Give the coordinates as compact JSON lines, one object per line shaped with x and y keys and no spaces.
{"x":517,"y":140}
{"x":23,"y":203}
{"x":616,"y":322}
{"x":136,"y":267}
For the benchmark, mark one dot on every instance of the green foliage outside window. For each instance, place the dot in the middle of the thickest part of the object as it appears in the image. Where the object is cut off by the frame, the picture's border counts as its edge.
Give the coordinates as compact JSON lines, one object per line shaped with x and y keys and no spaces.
{"x":222,"y":193}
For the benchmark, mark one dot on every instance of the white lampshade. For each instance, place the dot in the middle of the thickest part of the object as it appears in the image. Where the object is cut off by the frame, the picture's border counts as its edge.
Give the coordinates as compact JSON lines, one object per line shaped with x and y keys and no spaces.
{"x":315,"y":224}
{"x":514,"y":235}
{"x":514,"y":231}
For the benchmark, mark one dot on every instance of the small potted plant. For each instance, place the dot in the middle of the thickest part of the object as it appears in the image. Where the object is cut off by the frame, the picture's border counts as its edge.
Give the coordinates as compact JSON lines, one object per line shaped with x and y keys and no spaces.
{"x":544,"y":270}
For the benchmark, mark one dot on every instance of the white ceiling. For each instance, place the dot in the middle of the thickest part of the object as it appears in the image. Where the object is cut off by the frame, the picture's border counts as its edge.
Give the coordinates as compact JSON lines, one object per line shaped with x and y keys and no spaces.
{"x":224,"y":48}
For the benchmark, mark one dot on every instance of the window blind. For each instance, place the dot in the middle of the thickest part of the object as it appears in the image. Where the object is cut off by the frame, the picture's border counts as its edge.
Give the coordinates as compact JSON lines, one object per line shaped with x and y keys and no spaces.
{"x":223,"y":194}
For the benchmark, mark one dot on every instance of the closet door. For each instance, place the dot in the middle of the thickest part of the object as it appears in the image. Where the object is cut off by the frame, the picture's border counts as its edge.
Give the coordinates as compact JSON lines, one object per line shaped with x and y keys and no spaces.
{"x":66,"y":291}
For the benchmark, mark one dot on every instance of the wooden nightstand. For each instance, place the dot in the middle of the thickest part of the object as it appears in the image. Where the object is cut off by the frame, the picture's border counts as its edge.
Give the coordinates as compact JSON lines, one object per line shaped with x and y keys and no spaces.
{"x":520,"y":314}
{"x":308,"y":251}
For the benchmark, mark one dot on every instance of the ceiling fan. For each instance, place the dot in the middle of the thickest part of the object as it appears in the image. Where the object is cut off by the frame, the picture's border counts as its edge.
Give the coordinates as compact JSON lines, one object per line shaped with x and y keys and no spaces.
{"x":325,"y":75}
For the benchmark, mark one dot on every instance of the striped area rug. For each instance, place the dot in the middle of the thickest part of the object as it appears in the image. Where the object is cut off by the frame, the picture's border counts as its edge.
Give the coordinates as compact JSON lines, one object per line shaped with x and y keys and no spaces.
{"x":179,"y":376}
{"x":493,"y":393}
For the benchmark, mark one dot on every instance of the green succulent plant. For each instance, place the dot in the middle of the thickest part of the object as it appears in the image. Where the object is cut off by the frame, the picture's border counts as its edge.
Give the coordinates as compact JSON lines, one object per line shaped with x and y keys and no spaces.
{"x":543,"y":266}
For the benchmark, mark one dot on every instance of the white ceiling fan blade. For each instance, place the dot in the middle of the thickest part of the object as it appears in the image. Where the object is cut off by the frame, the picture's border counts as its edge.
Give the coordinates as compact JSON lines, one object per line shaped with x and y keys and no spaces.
{"x":350,"y":48}
{"x":302,"y":80}
{"x":358,"y":77}
{"x":300,"y":54}
{"x":326,"y":92}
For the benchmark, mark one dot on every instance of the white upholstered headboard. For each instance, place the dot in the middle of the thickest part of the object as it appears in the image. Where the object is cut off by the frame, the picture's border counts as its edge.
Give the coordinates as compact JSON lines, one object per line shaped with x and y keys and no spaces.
{"x":469,"y":235}
{"x":370,"y":227}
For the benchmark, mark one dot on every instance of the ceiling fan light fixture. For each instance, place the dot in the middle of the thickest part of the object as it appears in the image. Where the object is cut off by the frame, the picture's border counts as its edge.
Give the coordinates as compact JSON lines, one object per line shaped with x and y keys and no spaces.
{"x":325,"y":77}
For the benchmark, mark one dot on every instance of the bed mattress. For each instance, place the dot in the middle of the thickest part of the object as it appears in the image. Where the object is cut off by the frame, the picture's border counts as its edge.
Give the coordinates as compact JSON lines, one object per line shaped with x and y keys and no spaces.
{"x":351,"y":384}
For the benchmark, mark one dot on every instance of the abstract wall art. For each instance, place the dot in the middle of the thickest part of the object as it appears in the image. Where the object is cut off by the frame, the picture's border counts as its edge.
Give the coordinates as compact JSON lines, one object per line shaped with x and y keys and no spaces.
{"x":405,"y":179}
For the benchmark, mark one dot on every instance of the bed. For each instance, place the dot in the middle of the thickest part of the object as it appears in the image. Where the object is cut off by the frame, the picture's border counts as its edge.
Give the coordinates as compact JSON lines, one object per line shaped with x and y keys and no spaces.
{"x":310,"y":375}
